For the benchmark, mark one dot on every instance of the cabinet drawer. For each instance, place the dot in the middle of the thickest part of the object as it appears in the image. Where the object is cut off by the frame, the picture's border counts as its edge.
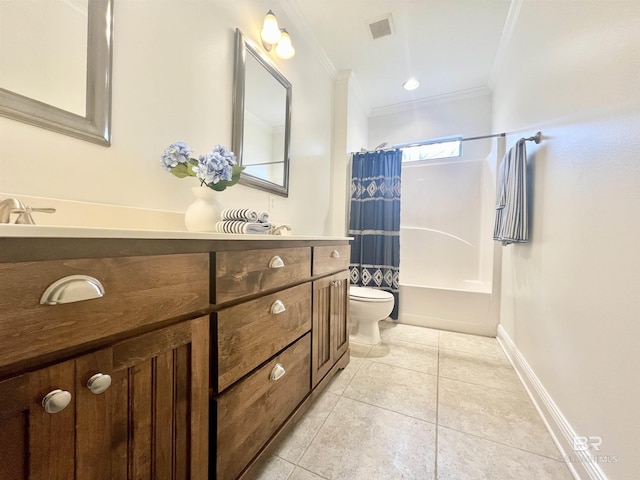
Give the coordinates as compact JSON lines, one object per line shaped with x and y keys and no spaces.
{"x":331,"y":259}
{"x":139,"y":291}
{"x":251,"y":411}
{"x":248,"y":272}
{"x":248,"y":334}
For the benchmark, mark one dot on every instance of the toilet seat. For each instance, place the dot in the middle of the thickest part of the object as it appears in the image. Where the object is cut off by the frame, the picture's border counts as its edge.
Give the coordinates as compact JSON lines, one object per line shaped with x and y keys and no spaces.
{"x":365,"y":294}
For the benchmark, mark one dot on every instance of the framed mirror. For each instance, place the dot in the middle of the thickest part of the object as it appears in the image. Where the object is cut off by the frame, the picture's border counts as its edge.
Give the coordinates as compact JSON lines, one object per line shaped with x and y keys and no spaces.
{"x":261,"y":120}
{"x":55,"y":66}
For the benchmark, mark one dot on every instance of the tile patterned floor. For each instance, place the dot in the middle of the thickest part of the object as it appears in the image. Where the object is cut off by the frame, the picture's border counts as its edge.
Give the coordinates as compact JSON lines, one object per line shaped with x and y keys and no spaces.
{"x":424,"y":404}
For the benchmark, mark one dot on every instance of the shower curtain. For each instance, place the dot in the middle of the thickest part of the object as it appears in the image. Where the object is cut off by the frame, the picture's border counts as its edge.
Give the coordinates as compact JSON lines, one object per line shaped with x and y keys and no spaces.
{"x":374,"y":221}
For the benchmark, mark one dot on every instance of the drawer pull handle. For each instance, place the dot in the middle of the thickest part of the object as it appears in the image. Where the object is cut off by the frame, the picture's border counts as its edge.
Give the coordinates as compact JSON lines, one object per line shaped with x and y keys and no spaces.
{"x":99,"y":383}
{"x":277,"y":307}
{"x":335,"y":254}
{"x":278,"y":372}
{"x":74,"y":288}
{"x":276,"y":262}
{"x":56,"y":401}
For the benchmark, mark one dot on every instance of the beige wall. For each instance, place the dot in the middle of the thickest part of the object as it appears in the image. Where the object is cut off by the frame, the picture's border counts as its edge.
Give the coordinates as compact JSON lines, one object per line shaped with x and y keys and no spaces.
{"x":570,"y":300}
{"x":173,"y":80}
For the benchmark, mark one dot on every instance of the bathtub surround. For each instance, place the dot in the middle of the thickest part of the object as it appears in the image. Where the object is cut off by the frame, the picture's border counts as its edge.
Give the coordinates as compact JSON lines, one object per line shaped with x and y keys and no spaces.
{"x":374,"y":221}
{"x":447,"y":216}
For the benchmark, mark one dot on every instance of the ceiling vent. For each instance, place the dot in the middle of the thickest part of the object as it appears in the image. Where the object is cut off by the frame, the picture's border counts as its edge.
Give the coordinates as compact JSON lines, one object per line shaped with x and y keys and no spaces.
{"x":381,"y":26}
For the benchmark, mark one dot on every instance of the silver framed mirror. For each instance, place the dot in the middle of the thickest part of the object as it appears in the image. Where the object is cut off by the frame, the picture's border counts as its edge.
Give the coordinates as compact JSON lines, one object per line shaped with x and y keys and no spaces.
{"x":261,"y":120}
{"x":94,"y":19}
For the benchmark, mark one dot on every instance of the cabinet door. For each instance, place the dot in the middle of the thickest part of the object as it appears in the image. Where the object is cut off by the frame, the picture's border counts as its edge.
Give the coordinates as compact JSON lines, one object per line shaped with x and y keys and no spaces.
{"x":152,"y":422}
{"x":100,"y":445}
{"x":340,"y":314}
{"x":162,"y":402}
{"x":330,"y":323}
{"x":321,"y":353}
{"x":34,"y":444}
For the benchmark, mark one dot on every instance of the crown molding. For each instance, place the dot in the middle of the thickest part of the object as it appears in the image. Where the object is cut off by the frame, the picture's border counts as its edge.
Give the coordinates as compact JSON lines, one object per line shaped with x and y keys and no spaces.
{"x":434,"y":100}
{"x":292,"y":10}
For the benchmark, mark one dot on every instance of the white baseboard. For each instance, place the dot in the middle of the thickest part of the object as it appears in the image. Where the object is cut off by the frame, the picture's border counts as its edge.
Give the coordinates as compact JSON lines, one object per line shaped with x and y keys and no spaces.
{"x":581,"y":465}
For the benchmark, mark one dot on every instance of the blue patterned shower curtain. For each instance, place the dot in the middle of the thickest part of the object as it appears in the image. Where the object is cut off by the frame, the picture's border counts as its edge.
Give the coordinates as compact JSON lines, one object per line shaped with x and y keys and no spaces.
{"x":374,"y":221}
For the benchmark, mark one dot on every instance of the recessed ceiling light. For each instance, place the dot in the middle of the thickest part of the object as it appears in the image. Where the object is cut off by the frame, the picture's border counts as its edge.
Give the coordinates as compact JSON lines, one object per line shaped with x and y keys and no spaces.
{"x":411,"y":84}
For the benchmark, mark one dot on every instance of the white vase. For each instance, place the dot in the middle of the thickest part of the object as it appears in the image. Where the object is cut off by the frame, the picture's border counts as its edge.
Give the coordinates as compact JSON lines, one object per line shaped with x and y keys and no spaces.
{"x":205,"y":211}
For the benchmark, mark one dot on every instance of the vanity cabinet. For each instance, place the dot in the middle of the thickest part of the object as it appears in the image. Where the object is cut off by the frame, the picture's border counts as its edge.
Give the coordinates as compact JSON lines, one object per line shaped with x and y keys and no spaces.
{"x":173,"y":359}
{"x":137,"y":409}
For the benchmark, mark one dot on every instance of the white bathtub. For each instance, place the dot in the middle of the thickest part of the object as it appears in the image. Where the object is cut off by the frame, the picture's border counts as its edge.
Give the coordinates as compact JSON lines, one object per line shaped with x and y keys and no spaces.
{"x":446,"y":246}
{"x":440,"y":285}
{"x":465,"y":309}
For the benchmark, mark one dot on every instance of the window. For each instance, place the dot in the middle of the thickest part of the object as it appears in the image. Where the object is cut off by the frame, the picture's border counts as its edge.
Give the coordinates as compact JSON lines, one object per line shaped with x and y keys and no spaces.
{"x":446,"y":148}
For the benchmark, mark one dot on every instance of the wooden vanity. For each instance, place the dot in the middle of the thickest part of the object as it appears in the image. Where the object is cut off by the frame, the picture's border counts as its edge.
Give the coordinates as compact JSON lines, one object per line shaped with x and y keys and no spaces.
{"x":199,"y":354}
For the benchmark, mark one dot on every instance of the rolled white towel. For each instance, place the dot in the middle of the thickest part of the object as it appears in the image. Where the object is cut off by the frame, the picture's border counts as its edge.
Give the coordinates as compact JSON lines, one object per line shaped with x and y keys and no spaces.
{"x":243,"y":214}
{"x":263,"y":217}
{"x":238,"y":226}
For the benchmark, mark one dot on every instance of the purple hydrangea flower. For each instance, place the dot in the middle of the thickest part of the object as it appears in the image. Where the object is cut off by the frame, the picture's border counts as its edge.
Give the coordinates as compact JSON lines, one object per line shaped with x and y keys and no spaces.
{"x":175,"y":154}
{"x":215,"y":165}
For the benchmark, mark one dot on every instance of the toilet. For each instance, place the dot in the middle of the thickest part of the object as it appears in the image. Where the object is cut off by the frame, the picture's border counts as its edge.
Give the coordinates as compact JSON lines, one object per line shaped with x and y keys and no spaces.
{"x":367,"y":306}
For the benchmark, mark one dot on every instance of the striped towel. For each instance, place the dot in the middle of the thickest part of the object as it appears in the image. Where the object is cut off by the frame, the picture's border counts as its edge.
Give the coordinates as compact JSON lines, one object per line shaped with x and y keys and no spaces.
{"x":512,"y":222}
{"x":238,"y":226}
{"x":245,"y":215}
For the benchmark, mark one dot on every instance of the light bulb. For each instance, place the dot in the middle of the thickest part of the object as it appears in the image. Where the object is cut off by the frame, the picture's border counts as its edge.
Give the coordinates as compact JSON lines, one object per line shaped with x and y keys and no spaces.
{"x":411,"y":84}
{"x":284,"y":49}
{"x":270,"y":31}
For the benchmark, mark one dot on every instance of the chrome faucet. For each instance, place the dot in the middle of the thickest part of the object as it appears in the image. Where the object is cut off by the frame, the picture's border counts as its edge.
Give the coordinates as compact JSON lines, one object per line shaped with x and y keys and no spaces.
{"x":278,"y":230}
{"x":7,"y":207}
{"x":13,"y":205}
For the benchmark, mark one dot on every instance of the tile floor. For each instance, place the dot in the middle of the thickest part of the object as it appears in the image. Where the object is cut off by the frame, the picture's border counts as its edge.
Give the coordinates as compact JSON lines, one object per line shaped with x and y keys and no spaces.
{"x":424,"y":404}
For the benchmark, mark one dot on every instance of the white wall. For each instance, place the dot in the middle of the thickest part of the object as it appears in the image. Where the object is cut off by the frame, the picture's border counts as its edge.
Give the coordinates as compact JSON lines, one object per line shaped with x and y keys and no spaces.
{"x":570,"y":299}
{"x":173,"y":80}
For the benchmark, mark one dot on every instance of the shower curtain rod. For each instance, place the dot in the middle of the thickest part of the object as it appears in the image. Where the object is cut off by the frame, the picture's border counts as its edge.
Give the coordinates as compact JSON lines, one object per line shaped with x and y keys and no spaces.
{"x":535,"y":138}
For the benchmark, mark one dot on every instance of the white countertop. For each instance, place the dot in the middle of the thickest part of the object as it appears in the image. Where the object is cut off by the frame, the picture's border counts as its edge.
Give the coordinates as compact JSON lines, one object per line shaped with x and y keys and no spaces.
{"x":44,"y":231}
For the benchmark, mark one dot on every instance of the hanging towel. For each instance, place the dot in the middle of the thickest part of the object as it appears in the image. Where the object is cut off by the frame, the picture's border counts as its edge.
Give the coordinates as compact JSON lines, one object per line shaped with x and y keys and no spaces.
{"x":512,"y":222}
{"x":245,"y":214}
{"x":238,"y":226}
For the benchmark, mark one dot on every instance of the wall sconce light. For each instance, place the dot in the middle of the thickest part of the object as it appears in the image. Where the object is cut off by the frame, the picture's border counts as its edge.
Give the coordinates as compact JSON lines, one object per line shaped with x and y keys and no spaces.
{"x":274,"y":36}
